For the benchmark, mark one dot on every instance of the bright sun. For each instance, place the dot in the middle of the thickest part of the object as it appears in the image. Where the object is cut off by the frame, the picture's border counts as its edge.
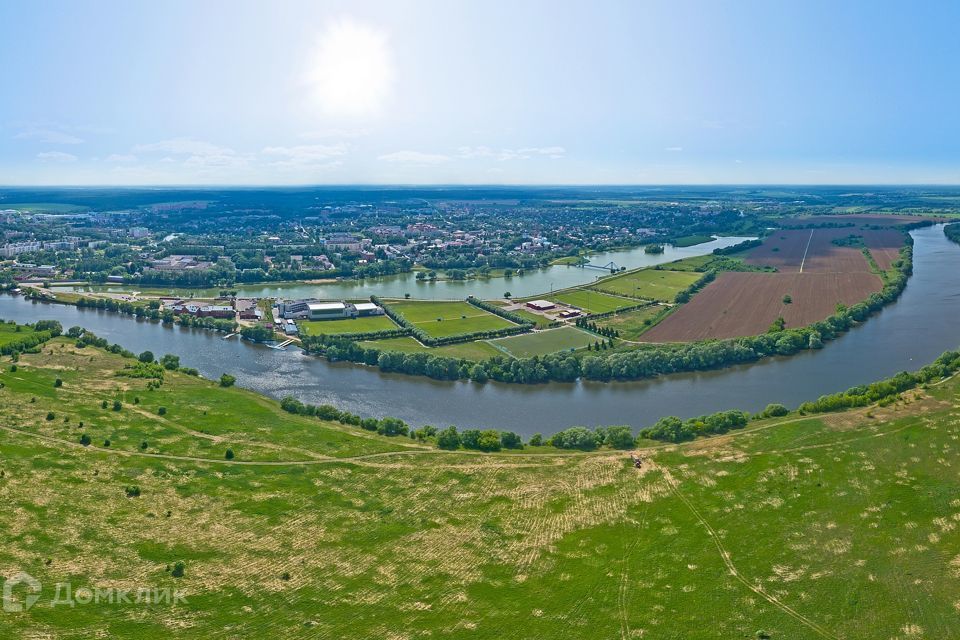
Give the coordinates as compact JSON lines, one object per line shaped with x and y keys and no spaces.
{"x":351,"y":70}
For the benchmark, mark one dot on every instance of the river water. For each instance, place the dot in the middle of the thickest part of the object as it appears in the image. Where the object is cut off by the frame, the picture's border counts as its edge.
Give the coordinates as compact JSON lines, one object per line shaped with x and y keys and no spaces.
{"x":904,"y":336}
{"x":531,"y":283}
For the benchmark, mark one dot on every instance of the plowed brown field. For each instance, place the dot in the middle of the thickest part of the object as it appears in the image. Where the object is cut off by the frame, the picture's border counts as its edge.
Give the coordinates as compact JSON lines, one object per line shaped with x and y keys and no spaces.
{"x":746,"y":304}
{"x":813,"y":249}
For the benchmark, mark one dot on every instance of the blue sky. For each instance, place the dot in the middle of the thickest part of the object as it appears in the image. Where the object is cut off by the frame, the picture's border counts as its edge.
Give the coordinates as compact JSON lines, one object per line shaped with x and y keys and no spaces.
{"x":517,"y":91}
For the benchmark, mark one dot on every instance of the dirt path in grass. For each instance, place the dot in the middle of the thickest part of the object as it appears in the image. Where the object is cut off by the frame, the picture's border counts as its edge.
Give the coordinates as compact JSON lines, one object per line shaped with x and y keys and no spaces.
{"x":732,"y":568}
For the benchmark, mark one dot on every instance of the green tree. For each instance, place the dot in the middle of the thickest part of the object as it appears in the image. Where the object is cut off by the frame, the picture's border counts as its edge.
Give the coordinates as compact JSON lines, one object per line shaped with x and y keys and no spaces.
{"x":146,"y":356}
{"x":170,"y":362}
{"x":619,"y":437}
{"x":489,"y":440}
{"x":227,"y":380}
{"x":536,"y":440}
{"x":448,"y":439}
{"x":228,"y":455}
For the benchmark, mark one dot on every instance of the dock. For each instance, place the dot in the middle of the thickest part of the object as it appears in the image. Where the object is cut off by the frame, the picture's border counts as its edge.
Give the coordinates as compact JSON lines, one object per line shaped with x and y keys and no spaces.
{"x":282,"y":346}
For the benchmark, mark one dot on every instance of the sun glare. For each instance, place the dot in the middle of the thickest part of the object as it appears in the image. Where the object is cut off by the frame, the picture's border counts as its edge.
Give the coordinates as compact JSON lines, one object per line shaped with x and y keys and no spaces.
{"x":351,"y":70}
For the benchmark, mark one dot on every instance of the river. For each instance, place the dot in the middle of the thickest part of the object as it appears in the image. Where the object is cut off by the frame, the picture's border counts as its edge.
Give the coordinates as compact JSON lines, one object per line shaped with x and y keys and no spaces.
{"x":533,"y":282}
{"x":904,"y":336}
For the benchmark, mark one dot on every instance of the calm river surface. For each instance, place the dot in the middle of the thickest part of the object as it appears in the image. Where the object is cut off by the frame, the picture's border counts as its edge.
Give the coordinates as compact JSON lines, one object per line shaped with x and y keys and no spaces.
{"x":531,"y":283}
{"x":904,"y":336}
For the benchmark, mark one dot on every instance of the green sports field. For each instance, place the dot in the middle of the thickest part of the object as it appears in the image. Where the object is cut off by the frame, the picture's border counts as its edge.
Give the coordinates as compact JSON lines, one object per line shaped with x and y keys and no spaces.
{"x":591,"y":301}
{"x":544,"y":342}
{"x":651,"y":284}
{"x":365,"y":324}
{"x":476,"y":350}
{"x":441,"y":319}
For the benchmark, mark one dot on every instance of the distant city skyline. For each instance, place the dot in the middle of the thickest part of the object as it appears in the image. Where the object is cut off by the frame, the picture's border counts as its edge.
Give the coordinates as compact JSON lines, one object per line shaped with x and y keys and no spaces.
{"x":519,"y":92}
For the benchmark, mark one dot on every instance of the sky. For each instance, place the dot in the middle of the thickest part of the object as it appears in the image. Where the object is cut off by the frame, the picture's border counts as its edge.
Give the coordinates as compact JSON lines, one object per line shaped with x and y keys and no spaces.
{"x":101,"y":92}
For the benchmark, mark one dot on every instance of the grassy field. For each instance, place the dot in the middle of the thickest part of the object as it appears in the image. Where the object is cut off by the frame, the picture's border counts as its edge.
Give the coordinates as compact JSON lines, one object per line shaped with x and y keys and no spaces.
{"x":689,"y":241}
{"x":590,"y":301}
{"x":843,"y":526}
{"x":13,"y":332}
{"x":540,"y":321}
{"x":544,"y":342}
{"x":632,"y":324}
{"x":477,"y":350}
{"x":652,"y":284}
{"x":441,"y":319}
{"x":365,"y":324}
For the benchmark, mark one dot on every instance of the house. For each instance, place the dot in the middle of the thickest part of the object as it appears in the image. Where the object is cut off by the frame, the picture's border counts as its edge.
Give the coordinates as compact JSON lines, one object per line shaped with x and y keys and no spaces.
{"x":247,"y":309}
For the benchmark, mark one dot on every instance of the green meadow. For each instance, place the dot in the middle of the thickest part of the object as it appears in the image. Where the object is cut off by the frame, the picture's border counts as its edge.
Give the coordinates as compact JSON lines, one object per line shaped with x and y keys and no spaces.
{"x":440,"y":319}
{"x":838,"y":526}
{"x":651,"y":284}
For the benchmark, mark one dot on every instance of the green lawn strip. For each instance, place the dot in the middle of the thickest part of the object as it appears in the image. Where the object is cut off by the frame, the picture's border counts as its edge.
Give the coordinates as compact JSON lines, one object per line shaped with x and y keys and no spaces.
{"x":366,"y":324}
{"x":476,"y":350}
{"x":545,"y":342}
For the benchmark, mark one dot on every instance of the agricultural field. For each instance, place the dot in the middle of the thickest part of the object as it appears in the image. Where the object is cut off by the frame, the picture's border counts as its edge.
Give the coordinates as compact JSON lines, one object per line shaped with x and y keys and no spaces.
{"x":745,"y":304}
{"x":650,"y":284}
{"x":544,"y":342}
{"x":858,"y":220}
{"x":440,"y":319}
{"x":476,"y":350}
{"x":841,"y":526}
{"x":366,"y":324}
{"x":813,"y":250}
{"x":632,"y":324}
{"x":590,"y":301}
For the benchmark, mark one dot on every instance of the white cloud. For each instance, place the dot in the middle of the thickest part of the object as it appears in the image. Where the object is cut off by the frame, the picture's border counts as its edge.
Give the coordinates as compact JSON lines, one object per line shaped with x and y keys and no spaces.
{"x":49,"y":136}
{"x":183,"y":146}
{"x":414,"y":157}
{"x":196,"y":154}
{"x":121,"y":157}
{"x":673,"y":149}
{"x":503,"y":155}
{"x":351,"y":70}
{"x":56,"y":156}
{"x":305,"y":155}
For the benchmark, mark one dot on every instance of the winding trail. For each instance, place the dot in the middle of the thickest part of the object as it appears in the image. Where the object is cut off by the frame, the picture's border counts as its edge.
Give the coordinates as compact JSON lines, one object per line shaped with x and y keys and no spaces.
{"x":732,"y":568}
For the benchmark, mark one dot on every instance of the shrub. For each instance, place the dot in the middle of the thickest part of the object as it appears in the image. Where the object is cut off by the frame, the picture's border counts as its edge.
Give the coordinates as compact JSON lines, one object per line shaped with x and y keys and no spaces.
{"x":178,"y":570}
{"x":511,"y":440}
{"x":775,"y":411}
{"x":228,"y":455}
{"x":620,"y":437}
{"x":132,"y":491}
{"x":58,"y":383}
{"x":162,"y":411}
{"x":51,"y":415}
{"x":448,"y":439}
{"x":85,"y":440}
{"x":536,"y":440}
{"x":575,"y":438}
{"x":146,"y":357}
{"x":116,"y":405}
{"x":227,"y":380}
